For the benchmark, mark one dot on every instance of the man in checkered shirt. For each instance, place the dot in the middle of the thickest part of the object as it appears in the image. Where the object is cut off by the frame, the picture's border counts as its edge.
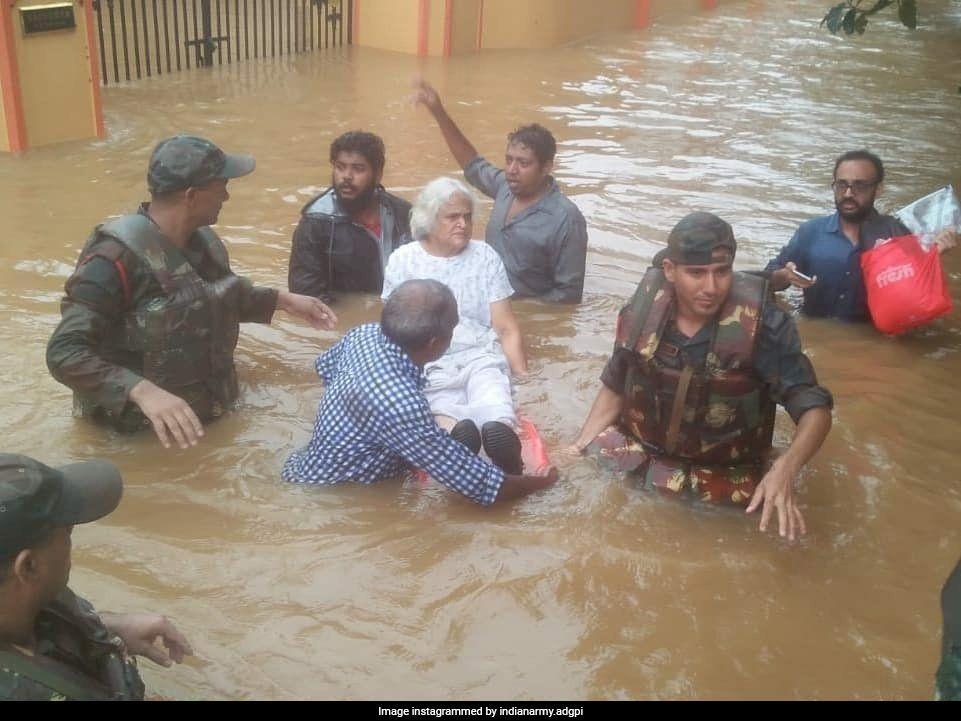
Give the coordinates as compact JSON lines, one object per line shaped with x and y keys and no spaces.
{"x":374,"y":421}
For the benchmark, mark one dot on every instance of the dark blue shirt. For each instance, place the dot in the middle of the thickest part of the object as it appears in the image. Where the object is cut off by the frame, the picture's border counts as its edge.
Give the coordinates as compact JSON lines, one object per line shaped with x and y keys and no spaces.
{"x":820,"y":248}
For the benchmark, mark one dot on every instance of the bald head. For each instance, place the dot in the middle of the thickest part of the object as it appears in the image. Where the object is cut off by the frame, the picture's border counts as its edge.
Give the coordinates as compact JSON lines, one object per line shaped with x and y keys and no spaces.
{"x":418,"y":312}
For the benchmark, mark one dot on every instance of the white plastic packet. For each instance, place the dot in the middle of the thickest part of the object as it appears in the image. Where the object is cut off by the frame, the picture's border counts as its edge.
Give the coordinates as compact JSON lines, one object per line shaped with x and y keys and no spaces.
{"x":929,"y":215}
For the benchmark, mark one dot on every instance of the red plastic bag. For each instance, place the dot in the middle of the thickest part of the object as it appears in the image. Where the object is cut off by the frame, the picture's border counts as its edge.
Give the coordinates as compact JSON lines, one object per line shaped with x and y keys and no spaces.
{"x":905,"y":284}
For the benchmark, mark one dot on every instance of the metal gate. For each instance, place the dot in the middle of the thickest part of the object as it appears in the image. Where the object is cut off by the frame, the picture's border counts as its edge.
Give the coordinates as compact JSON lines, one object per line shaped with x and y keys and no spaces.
{"x":151,"y":37}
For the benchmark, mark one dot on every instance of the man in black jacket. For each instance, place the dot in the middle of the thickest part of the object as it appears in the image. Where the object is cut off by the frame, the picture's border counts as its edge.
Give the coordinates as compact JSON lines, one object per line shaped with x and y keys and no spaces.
{"x":346,"y":234}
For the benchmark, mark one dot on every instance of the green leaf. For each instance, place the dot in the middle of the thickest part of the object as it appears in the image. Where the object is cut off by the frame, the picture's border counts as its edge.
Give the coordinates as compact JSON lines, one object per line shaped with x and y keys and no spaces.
{"x":833,"y":17}
{"x":908,"y":13}
{"x":848,"y":23}
{"x":879,"y":5}
{"x":861,"y":24}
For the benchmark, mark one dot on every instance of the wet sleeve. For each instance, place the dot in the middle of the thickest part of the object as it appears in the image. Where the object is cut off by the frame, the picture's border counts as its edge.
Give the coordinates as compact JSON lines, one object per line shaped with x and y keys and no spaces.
{"x":569,"y":259}
{"x":790,"y":253}
{"x":614,"y":375}
{"x":257,"y":303}
{"x":307,"y":271}
{"x":781,"y":362}
{"x":948,"y":678}
{"x":393,"y":276}
{"x":498,"y":285}
{"x":328,"y":363}
{"x":484,"y":176}
{"x":94,"y":303}
{"x":415,"y":436}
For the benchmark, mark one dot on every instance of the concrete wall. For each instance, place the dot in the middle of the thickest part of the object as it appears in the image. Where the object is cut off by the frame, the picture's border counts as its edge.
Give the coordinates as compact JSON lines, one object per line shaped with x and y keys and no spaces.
{"x":50,"y":92}
{"x":464,"y":26}
{"x":446,"y":27}
{"x":548,"y":23}
{"x":56,"y":82}
{"x":388,"y":24}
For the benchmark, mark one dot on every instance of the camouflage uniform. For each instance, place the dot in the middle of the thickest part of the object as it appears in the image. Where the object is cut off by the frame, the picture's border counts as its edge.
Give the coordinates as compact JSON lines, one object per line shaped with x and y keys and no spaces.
{"x":152,"y":311}
{"x":698,"y":413}
{"x":948,"y":679}
{"x":77,"y":659}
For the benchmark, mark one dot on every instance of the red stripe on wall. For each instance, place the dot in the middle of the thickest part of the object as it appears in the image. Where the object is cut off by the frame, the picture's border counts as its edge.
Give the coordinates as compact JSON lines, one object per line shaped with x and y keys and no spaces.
{"x":642,"y":14}
{"x":423,"y":26}
{"x":10,"y":82}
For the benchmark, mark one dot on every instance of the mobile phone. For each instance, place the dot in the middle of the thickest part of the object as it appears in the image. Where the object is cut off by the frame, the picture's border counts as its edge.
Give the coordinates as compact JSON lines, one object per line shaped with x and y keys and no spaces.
{"x":802,"y":276}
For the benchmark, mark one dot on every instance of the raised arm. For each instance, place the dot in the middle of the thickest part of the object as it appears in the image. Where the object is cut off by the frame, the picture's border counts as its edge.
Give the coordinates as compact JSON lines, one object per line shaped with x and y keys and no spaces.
{"x":460,"y":147}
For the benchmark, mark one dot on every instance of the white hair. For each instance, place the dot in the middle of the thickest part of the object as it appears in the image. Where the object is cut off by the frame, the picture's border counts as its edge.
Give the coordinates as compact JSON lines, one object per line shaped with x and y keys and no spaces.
{"x":423,"y":214}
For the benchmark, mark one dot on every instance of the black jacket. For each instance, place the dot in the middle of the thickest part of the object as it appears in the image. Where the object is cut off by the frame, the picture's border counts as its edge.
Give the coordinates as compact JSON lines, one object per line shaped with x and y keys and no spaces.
{"x":330,"y":252}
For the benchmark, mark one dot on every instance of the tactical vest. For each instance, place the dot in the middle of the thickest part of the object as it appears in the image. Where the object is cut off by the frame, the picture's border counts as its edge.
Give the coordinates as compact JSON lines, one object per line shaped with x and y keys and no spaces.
{"x":183,"y":338}
{"x":77,"y":659}
{"x":697,"y":425}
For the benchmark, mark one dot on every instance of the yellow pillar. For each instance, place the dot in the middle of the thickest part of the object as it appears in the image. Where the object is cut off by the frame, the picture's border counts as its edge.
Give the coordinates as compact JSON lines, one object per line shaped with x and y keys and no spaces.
{"x":48,"y":77}
{"x":420,"y":27}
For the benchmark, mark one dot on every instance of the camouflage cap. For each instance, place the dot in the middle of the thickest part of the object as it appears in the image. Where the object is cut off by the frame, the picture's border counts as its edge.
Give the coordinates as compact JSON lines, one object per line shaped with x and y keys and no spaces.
{"x":696,"y":236}
{"x":186,"y":161}
{"x":35,"y":498}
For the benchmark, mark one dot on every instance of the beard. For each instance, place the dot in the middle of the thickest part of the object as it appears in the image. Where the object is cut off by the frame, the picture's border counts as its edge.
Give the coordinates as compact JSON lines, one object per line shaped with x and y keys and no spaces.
{"x":858,"y":213}
{"x":358,"y":203}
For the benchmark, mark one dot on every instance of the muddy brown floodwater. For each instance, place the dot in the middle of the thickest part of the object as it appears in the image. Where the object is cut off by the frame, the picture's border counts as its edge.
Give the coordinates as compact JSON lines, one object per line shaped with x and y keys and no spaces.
{"x":592,"y":589}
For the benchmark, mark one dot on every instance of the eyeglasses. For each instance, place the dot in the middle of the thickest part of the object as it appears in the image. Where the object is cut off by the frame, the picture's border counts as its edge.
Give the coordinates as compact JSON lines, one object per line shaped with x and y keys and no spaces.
{"x":858,"y":186}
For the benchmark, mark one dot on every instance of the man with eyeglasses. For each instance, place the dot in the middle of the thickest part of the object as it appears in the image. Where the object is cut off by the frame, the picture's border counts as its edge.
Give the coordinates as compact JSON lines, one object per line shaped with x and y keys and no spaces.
{"x":152,"y":312}
{"x":827,"y":251}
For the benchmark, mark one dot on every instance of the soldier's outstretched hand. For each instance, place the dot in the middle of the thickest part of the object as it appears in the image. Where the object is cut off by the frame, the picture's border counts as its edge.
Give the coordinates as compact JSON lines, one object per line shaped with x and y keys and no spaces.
{"x":307,"y":308}
{"x":171,"y":416}
{"x":776,"y":493}
{"x":141,"y":631}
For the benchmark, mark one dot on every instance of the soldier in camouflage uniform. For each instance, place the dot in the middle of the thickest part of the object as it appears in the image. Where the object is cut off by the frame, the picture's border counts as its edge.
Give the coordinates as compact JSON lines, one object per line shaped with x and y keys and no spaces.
{"x":948,"y":679}
{"x":152,"y":312}
{"x":700,"y":362}
{"x":53,"y":645}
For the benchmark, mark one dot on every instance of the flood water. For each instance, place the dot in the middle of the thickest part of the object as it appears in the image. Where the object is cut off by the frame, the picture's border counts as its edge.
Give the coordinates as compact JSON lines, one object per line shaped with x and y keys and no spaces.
{"x":592,"y":589}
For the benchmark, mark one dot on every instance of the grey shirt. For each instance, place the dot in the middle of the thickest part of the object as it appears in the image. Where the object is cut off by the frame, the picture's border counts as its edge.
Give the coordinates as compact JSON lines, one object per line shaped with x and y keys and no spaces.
{"x":544,"y":247}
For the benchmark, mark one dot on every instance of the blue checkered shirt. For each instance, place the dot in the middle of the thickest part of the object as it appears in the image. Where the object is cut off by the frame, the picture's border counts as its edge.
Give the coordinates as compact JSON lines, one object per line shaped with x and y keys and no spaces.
{"x":374,"y":423}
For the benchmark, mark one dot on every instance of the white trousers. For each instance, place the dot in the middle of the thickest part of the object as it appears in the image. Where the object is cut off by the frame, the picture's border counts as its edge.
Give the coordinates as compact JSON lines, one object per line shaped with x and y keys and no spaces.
{"x":471,"y":385}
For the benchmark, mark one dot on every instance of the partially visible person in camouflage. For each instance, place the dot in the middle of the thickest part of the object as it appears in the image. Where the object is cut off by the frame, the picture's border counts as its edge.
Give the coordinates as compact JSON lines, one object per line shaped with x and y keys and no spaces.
{"x":689,"y":395}
{"x":948,"y":679}
{"x":152,"y":312}
{"x":53,"y":645}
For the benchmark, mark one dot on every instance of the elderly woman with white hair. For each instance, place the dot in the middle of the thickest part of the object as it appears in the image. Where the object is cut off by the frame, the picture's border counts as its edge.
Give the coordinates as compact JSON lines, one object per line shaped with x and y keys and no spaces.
{"x":469,"y":388}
